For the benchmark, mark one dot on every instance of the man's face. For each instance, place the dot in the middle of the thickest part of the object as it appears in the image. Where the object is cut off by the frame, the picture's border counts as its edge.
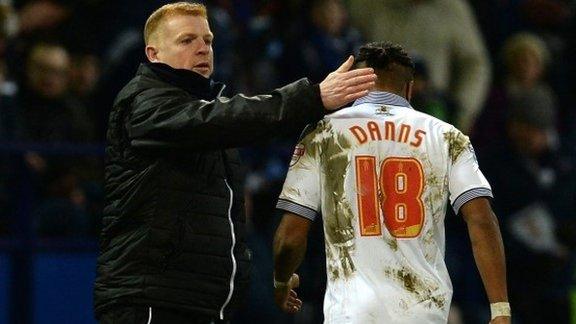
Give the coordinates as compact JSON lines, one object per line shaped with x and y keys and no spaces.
{"x":331,"y":16}
{"x":47,"y":71}
{"x":528,"y":68}
{"x":529,"y":140}
{"x":184,"y":42}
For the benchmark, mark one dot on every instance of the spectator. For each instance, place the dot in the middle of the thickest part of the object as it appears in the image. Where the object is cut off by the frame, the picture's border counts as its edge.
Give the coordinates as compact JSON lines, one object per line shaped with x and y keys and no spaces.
{"x":37,"y":21}
{"x":525,"y":58}
{"x":264,"y":37}
{"x":50,"y":115}
{"x":534,"y":189}
{"x":328,"y":40}
{"x":444,"y":33}
{"x":84,"y":74}
{"x":553,"y":20}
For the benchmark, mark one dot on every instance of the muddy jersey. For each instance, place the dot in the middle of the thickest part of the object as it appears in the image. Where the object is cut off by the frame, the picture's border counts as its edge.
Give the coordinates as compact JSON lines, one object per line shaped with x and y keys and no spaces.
{"x":381,"y":174}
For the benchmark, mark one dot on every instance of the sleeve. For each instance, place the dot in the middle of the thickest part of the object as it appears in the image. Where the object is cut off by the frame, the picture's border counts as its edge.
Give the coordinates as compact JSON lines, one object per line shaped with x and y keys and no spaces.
{"x":466,"y":181}
{"x":301,"y":194}
{"x":170,"y":118}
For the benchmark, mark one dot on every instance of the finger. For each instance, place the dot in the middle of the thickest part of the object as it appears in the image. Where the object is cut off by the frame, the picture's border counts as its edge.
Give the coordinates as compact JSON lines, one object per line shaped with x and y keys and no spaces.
{"x":293,"y":310}
{"x":294,"y":301}
{"x":298,"y":302}
{"x":295,"y":280}
{"x":346,"y":65}
{"x":360,"y":79}
{"x":293,"y":294}
{"x":359,"y":88}
{"x":355,"y":95}
{"x":356,"y":72}
{"x":294,"y":307}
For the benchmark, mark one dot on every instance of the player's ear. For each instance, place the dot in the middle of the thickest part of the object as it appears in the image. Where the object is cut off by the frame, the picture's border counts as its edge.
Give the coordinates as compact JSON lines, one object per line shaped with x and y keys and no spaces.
{"x":409,"y":88}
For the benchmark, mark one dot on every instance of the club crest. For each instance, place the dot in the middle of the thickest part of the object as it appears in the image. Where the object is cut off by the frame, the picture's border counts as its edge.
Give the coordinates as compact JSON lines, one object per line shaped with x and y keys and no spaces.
{"x":298,"y":152}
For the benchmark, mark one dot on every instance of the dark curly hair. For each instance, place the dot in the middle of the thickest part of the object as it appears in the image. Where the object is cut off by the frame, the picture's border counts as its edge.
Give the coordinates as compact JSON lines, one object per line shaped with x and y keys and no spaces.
{"x":390,"y":62}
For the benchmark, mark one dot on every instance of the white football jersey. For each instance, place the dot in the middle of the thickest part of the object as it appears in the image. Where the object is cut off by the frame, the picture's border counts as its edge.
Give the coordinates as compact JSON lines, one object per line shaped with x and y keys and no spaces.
{"x":380,"y":174}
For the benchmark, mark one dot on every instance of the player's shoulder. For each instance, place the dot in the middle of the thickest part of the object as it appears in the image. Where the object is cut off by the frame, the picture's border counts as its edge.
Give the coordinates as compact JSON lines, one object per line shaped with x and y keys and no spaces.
{"x":433,"y":123}
{"x":314,"y":132}
{"x":308,"y":129}
{"x":442,"y":133}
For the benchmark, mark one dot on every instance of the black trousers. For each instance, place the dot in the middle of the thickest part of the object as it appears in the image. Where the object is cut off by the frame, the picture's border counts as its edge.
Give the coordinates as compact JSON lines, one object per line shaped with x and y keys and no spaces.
{"x":154,"y":315}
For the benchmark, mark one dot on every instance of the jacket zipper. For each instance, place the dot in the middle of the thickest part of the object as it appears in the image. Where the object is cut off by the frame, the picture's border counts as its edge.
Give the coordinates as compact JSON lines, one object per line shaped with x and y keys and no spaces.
{"x":231,"y":251}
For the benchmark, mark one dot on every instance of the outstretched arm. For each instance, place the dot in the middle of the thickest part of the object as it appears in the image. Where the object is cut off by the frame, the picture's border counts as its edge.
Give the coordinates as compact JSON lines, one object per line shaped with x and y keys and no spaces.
{"x":488,"y":252}
{"x":289,"y":250}
{"x":169,"y":118}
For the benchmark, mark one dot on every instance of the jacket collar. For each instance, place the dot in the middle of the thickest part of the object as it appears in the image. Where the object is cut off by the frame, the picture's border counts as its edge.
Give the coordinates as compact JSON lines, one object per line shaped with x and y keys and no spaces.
{"x":383,"y":98}
{"x":192,"y":82}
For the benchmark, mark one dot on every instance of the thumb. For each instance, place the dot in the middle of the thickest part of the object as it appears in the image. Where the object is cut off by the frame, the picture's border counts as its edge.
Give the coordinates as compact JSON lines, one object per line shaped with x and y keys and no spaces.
{"x":346,"y":65}
{"x":295,"y":280}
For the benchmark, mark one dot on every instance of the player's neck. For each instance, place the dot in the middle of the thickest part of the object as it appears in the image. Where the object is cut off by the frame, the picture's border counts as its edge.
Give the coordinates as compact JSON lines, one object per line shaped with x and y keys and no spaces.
{"x":389,"y":90}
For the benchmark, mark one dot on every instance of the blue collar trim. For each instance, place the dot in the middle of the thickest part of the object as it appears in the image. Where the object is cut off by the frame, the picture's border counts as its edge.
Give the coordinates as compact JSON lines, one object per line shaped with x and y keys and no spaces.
{"x":383,"y":98}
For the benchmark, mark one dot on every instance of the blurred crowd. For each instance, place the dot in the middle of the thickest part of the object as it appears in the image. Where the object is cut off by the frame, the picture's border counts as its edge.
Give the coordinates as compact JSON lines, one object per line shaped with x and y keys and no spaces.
{"x":503,"y":71}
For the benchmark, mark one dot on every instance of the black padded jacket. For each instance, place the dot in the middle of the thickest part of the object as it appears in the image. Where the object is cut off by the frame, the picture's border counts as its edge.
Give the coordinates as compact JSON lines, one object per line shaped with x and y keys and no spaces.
{"x":174,"y":225}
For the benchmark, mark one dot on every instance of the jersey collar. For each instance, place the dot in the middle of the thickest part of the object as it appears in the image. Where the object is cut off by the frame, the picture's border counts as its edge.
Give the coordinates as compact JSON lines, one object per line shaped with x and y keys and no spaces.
{"x":383,"y":98}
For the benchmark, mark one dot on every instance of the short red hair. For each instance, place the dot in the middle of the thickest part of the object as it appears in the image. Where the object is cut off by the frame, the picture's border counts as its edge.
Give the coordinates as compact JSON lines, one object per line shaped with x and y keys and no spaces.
{"x":170,"y":10}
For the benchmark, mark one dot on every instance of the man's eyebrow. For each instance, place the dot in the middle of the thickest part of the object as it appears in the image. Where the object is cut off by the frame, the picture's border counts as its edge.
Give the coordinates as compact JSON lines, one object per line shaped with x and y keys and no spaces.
{"x":185,"y":34}
{"x":193,"y":35}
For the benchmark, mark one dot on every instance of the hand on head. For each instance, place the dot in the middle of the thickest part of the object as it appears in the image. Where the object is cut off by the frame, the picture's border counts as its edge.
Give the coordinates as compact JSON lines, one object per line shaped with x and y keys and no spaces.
{"x":344,"y":85}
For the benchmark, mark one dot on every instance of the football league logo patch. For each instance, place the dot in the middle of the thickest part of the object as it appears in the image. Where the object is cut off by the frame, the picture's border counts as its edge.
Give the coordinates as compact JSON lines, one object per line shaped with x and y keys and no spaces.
{"x":298,"y":152}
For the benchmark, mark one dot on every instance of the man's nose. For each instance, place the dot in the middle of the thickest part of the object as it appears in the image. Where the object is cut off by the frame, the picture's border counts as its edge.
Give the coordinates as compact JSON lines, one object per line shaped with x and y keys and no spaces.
{"x":204,"y":47}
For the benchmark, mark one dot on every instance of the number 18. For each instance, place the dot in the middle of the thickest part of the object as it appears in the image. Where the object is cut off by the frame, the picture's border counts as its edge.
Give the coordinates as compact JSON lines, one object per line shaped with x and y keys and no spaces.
{"x":397,"y":192}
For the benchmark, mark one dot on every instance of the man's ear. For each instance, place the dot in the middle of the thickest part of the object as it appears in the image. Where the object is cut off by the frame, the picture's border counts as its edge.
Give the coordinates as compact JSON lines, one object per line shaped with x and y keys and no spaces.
{"x":152,"y":53}
{"x":409,"y":88}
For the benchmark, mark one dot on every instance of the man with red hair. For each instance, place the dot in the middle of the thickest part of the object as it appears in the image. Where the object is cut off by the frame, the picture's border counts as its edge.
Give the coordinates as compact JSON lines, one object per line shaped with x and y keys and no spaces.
{"x":172,"y":244}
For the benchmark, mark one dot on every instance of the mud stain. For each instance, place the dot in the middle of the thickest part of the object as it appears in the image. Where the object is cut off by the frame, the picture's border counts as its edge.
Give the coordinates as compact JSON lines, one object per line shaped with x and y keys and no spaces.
{"x":309,"y":144}
{"x":435,"y":188}
{"x":429,"y":251}
{"x":435,"y":198}
{"x":338,"y":216}
{"x":391,"y":241}
{"x":421,"y":289}
{"x":293,"y":192}
{"x":332,"y":266}
{"x":457,"y":143}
